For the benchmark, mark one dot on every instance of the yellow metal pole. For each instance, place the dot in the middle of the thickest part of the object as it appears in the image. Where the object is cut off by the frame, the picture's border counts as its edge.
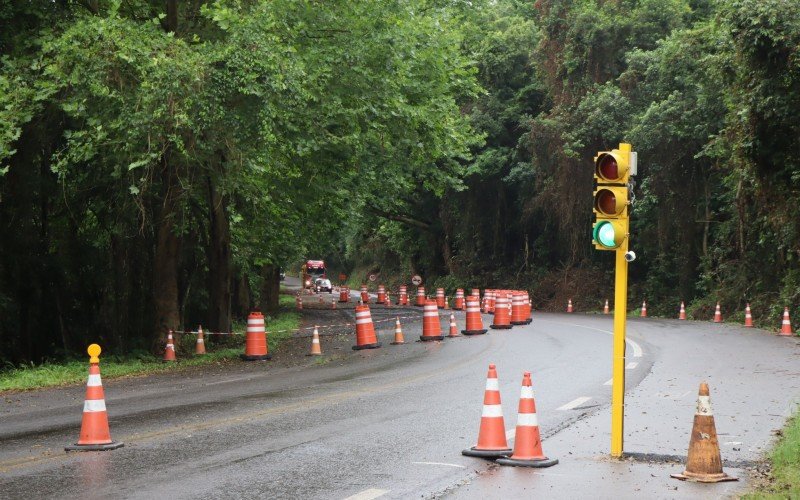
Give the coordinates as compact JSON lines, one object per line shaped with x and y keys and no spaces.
{"x":618,"y":362}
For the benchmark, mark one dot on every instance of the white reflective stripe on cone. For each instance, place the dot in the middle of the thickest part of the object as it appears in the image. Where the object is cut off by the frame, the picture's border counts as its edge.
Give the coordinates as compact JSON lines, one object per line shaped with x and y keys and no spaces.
{"x":94,"y":381}
{"x":703,"y":406}
{"x":527,"y":420}
{"x":199,"y":341}
{"x":363,"y":314}
{"x":170,"y":346}
{"x":94,"y":405}
{"x":492,"y":411}
{"x":492,"y":384}
{"x":315,"y":340}
{"x":255,"y":328}
{"x":363,"y":321}
{"x":526,"y":392}
{"x":256,"y":322}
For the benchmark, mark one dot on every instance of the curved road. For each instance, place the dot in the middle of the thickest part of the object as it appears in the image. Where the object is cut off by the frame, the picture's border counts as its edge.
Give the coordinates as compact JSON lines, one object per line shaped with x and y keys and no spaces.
{"x":391,"y":422}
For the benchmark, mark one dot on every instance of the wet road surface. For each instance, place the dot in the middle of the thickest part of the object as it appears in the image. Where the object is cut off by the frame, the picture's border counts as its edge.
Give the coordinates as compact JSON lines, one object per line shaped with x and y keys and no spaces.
{"x":391,"y":422}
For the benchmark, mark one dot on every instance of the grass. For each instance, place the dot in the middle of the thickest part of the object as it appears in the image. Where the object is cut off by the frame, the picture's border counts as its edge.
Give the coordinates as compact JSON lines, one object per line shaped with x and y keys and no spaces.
{"x":784,"y":481}
{"x":219,"y":350}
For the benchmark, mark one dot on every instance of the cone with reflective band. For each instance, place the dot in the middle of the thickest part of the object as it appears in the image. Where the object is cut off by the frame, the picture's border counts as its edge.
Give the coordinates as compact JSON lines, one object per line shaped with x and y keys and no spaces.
{"x":95,"y":435}
{"x":381,"y":295}
{"x":453,"y":329}
{"x":431,"y":328}
{"x":398,"y":333}
{"x":388,"y":300}
{"x":255,"y":343}
{"x":459,"y":303}
{"x":704,"y":463}
{"x":476,"y":292}
{"x":343,"y":295}
{"x":569,"y":305}
{"x":528,"y":440}
{"x":605,"y":308}
{"x":474,"y":322}
{"x":682,"y":314}
{"x":528,"y":317}
{"x":786,"y":323}
{"x":440,"y":298}
{"x":200,"y":345}
{"x":299,"y":302}
{"x":490,"y":300}
{"x":402,"y":300}
{"x":333,"y":303}
{"x":446,"y":303}
{"x":316,"y":348}
{"x":365,"y":330}
{"x":717,"y":314}
{"x":420,"y":301}
{"x":364,"y":294}
{"x":502,"y":320}
{"x":748,"y":316}
{"x":644,"y":310}
{"x":518,"y":309}
{"x":492,"y":441}
{"x":169,"y":350}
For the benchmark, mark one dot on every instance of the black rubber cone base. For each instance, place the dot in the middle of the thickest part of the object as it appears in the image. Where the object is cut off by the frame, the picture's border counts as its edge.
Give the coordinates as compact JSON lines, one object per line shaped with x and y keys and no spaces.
{"x":474,"y":452}
{"x":428,"y":338}
{"x":94,"y":447}
{"x":528,"y":321}
{"x":263,"y":357}
{"x":500,"y":327}
{"x":366,"y":346}
{"x":474,"y":332}
{"x":545,"y":462}
{"x":344,"y":301}
{"x":519,"y":322}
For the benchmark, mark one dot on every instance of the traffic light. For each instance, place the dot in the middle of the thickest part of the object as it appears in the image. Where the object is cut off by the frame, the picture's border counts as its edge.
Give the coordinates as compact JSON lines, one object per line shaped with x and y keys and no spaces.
{"x":612,"y":169}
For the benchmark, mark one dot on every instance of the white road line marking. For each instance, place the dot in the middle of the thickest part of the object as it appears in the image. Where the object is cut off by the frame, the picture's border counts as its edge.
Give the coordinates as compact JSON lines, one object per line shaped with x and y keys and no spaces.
{"x":440,"y":463}
{"x":637,"y":349}
{"x":609,"y":382}
{"x":575,"y":403}
{"x":631,"y":365}
{"x":368,"y":494}
{"x":511,"y":433}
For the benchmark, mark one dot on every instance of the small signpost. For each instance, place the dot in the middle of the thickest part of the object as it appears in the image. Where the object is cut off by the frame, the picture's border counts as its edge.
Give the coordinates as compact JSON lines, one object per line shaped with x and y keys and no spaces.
{"x":416,"y":280}
{"x":372,"y":277}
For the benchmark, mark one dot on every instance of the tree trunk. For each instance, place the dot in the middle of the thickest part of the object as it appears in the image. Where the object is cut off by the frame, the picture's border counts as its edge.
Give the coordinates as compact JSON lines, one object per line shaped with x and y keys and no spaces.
{"x":218,"y":252}
{"x":270,"y":287}
{"x":165,"y":262}
{"x":241,"y":294}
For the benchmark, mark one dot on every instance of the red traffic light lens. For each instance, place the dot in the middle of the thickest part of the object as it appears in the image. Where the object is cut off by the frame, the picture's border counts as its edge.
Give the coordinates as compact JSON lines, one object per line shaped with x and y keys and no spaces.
{"x":606,"y":202}
{"x":607,"y":167}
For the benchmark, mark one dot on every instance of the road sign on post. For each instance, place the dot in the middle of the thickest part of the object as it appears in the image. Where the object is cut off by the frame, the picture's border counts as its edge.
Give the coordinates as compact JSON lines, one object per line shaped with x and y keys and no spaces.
{"x":372,"y":277}
{"x":612,"y":170}
{"x":416,"y":280}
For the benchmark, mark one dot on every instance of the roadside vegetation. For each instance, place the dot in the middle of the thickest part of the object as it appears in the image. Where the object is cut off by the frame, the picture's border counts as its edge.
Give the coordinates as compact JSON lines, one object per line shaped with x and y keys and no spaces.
{"x":784,"y":478}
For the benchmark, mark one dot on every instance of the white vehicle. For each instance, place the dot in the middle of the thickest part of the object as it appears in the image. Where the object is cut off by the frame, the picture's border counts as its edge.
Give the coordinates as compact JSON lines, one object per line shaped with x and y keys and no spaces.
{"x":323,"y":285}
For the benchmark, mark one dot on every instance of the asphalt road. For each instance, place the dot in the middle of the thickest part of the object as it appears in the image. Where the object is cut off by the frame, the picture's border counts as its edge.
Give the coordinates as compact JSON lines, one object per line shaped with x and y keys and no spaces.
{"x":391,"y":422}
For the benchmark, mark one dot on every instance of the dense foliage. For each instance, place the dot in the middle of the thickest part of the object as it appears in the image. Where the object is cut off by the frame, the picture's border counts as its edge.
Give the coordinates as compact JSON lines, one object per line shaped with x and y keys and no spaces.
{"x":161,"y":160}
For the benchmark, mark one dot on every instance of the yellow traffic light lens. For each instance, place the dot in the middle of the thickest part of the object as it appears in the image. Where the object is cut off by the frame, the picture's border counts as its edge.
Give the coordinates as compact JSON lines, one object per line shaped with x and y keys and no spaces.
{"x":607,"y":167}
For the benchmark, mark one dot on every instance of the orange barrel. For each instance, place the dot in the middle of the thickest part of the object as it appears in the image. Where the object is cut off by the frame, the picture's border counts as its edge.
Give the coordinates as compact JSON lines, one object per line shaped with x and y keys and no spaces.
{"x":420,"y":296}
{"x":365,"y":330}
{"x":518,"y":309}
{"x":344,"y":294}
{"x":476,"y":292}
{"x":474,"y":322}
{"x":402,"y":300}
{"x":255,"y":346}
{"x":364,"y":294}
{"x":381,"y":295}
{"x":491,"y":300}
{"x":459,"y":305}
{"x":502,"y":318}
{"x":431,"y":328}
{"x":440,"y":297}
{"x":528,"y":318}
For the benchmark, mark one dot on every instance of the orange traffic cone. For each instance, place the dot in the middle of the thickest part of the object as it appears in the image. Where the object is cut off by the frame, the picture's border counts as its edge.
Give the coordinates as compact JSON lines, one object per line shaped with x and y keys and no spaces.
{"x":569,"y":306}
{"x":381,"y":295}
{"x":344,"y":295}
{"x":169,"y":351}
{"x":748,"y":316}
{"x":453,"y":328}
{"x":333,"y":303}
{"x":299,"y":302}
{"x":316,"y":349}
{"x":95,"y":435}
{"x":420,"y":296}
{"x":440,"y":298}
{"x":682,"y":314}
{"x":644,"y":310}
{"x":474,"y":324}
{"x":200,"y":345}
{"x":431,"y":328}
{"x":402,"y":299}
{"x":502,"y":319}
{"x":528,"y":318}
{"x":718,"y":314}
{"x":365,"y":330}
{"x":704,"y":463}
{"x":528,"y":440}
{"x":398,"y":333}
{"x":492,"y":433}
{"x":255,"y":343}
{"x":605,"y":308}
{"x":786,"y":324}
{"x":459,"y":303}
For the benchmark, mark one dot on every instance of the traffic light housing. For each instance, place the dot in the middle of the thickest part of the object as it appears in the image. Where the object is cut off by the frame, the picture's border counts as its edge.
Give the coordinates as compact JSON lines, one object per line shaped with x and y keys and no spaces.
{"x":612,"y":170}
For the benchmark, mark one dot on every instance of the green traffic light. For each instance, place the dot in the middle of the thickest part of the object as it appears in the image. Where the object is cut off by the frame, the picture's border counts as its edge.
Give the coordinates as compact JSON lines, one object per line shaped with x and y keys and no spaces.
{"x":605,"y":234}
